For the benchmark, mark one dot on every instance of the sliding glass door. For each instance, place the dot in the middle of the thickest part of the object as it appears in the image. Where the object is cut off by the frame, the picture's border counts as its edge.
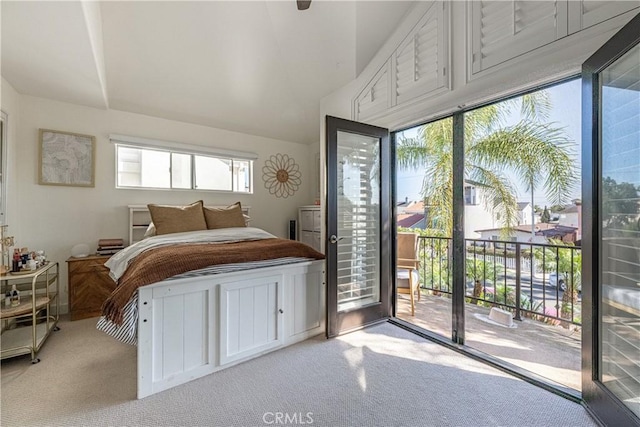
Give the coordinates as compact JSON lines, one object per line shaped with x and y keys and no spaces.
{"x":424,"y":209}
{"x":611,"y":120}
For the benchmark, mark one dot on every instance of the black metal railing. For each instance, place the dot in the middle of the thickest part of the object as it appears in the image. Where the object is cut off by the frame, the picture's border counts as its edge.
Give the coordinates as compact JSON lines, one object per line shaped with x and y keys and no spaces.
{"x":540,"y":281}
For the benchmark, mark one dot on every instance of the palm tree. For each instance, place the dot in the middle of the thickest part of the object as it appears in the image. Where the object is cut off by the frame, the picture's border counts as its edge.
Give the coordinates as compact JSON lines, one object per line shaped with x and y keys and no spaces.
{"x":540,"y":155}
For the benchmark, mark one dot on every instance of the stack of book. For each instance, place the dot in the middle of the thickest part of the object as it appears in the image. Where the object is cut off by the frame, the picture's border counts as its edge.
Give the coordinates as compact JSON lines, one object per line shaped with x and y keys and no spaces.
{"x":109,"y":246}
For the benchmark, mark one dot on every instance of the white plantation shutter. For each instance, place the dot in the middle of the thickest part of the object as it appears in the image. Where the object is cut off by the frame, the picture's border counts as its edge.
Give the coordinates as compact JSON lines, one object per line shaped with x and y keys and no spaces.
{"x":358,"y":218}
{"x":502,"y":30}
{"x":375,"y":97}
{"x":417,"y":67}
{"x":584,"y":14}
{"x":419,"y":62}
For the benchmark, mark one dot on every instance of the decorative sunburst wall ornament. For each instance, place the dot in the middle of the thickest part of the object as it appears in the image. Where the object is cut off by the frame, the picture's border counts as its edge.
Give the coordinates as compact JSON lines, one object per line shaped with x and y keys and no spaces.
{"x":281,"y":175}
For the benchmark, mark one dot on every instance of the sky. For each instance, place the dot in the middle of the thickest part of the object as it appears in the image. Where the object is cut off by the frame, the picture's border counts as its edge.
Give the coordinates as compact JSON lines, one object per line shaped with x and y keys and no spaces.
{"x":565,"y":113}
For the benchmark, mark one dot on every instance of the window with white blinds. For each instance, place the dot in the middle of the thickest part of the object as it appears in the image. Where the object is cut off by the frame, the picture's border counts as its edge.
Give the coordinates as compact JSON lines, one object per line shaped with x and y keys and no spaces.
{"x":358,"y":215}
{"x":502,"y":30}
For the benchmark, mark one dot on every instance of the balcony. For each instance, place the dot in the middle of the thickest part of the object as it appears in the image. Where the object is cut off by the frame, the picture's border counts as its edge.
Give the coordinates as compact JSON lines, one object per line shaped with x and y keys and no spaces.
{"x":538,"y":284}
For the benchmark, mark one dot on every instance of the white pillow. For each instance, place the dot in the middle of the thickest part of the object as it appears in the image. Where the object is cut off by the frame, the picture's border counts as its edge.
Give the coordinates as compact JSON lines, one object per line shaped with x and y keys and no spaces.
{"x":151,"y":231}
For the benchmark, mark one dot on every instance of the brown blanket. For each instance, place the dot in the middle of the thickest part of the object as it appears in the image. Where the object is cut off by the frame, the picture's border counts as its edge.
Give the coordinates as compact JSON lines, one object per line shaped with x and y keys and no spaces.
{"x":160,"y":263}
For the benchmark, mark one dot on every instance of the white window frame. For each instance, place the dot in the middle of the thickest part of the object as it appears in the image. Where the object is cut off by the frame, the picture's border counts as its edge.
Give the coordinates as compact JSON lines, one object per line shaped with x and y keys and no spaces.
{"x":184,"y":149}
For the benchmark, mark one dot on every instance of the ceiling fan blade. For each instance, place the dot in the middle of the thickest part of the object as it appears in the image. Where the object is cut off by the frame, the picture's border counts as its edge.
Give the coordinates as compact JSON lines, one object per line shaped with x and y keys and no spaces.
{"x":303,"y":4}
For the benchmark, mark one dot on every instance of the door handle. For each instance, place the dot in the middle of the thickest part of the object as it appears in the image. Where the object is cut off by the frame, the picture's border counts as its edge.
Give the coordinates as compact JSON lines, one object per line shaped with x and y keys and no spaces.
{"x":335,"y":239}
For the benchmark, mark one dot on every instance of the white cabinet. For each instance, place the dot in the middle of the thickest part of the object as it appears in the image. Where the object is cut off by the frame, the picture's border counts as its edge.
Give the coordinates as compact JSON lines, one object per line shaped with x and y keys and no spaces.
{"x":250,"y":317}
{"x":376,"y":96}
{"x":419,"y":63}
{"x":503,"y":30}
{"x":417,"y":68}
{"x":584,"y":14}
{"x":304,"y":305}
{"x":193,"y":326}
{"x":310,"y":226}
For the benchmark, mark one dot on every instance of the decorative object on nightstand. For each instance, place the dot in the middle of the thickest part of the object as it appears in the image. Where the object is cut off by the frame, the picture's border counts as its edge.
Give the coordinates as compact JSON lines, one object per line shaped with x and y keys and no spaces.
{"x":109,"y":246}
{"x":80,"y":250}
{"x":281,"y":175}
{"x":89,"y":285}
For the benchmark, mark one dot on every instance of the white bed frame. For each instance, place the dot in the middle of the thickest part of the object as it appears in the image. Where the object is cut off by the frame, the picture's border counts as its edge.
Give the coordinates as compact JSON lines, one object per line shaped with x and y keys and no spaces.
{"x":191,"y":327}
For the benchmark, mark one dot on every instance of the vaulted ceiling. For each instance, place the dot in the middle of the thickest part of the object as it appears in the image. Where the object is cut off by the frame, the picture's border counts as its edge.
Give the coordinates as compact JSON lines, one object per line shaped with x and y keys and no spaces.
{"x":258,"y":67}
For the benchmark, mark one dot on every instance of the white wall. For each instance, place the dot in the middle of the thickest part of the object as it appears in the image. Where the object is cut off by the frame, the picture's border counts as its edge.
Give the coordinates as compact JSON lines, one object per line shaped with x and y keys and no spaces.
{"x":525,"y":215}
{"x":569,"y":219}
{"x":55,"y":218}
{"x":521,"y":236}
{"x":477,"y":217}
{"x":11,"y":106}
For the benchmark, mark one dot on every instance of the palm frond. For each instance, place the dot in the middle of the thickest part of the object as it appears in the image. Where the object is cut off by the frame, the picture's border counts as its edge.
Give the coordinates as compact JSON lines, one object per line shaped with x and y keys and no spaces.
{"x":411,"y":153}
{"x":540,"y":155}
{"x":481,"y":122}
{"x":534,"y":107}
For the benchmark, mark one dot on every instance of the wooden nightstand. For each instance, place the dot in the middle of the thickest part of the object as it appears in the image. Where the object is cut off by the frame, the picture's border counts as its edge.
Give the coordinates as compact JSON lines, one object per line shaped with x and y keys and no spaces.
{"x":89,"y":286}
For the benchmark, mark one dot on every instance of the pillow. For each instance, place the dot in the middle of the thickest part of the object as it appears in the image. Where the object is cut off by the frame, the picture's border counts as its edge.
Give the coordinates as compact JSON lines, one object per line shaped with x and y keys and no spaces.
{"x":231,"y":216}
{"x":177,"y":219}
{"x":151,"y":229}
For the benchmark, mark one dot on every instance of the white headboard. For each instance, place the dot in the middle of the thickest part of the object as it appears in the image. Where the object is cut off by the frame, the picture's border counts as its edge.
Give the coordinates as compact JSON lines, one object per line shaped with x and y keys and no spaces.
{"x":139,"y":219}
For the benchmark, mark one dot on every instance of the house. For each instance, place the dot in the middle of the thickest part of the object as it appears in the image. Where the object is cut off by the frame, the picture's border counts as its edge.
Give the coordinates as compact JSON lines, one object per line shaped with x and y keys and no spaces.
{"x":571,"y":216}
{"x":560,"y":232}
{"x":543,"y":232}
{"x":525,"y":211}
{"x":411,"y":214}
{"x":411,"y":221}
{"x":478,"y":216}
{"x":248,"y":81}
{"x":520,"y":234}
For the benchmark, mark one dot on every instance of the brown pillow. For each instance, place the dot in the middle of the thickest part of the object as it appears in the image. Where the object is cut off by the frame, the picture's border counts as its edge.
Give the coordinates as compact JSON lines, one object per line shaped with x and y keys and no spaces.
{"x":231,"y":216}
{"x":177,"y":219}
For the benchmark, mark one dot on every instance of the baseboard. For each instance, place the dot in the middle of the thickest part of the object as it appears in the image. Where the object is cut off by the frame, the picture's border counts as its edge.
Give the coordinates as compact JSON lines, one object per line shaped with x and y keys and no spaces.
{"x":64,"y":308}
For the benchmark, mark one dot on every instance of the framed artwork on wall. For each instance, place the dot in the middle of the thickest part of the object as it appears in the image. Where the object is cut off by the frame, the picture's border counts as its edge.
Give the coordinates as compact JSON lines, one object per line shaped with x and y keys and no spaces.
{"x":66,"y":159}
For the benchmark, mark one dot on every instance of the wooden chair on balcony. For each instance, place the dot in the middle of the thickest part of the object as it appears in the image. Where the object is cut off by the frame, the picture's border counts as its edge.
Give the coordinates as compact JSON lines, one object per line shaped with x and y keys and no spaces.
{"x":407,"y":278}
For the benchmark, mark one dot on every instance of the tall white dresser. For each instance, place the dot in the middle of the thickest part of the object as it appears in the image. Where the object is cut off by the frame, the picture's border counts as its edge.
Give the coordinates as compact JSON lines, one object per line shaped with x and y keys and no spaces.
{"x":309,"y":226}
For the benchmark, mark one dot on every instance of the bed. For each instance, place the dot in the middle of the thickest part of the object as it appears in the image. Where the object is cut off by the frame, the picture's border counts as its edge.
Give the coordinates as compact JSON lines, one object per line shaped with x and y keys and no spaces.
{"x":199,"y":301}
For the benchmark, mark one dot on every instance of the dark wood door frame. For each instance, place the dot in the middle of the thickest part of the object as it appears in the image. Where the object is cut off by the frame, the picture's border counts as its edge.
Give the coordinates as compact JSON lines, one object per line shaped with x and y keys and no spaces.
{"x":338,"y":323}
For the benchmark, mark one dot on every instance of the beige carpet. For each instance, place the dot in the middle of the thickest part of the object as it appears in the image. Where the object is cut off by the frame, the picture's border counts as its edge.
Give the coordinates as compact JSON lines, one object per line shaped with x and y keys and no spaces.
{"x":381,"y":376}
